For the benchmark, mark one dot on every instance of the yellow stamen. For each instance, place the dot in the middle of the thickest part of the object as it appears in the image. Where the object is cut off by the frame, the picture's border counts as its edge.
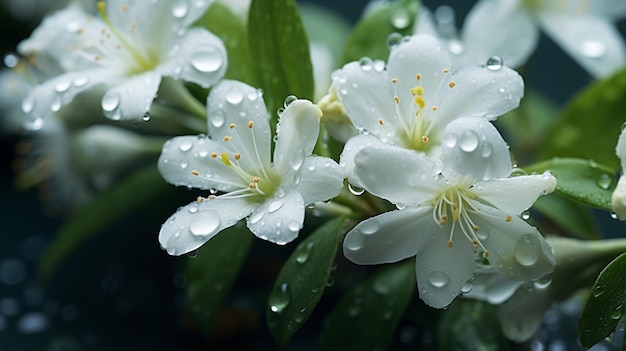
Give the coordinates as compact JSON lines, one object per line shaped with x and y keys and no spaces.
{"x":250,"y":124}
{"x":418,"y":76}
{"x":196,"y":173}
{"x":508,"y":218}
{"x":213,"y":154}
{"x":446,"y":70}
{"x":232,"y":126}
{"x":226,"y":159}
{"x":419,"y":100}
{"x":380,"y":121}
{"x":237,"y":156}
{"x":227,"y":138}
{"x":425,"y":139}
{"x":451,"y":84}
{"x":434,"y":108}
{"x":449,"y":243}
{"x":396,"y":99}
{"x":200,"y":199}
{"x":394,"y":80}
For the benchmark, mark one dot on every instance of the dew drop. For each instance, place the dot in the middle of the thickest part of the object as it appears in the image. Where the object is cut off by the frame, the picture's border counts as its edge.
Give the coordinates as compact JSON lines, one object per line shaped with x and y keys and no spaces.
{"x":455,"y":46}
{"x":256,"y":217}
{"x":203,"y":223}
{"x":184,"y":164}
{"x":438,"y":279}
{"x":393,"y":40}
{"x":597,"y":291}
{"x":300,"y":316}
{"x":370,"y":226}
{"x":381,"y":287}
{"x":525,"y":215}
{"x":28,"y":104}
{"x":400,"y":19}
{"x":543,"y":282}
{"x":604,"y":181}
{"x":502,"y":90}
{"x":469,"y":141}
{"x":293,"y":226}
{"x":234,"y":96}
{"x":217,"y":119}
{"x":110,"y":102}
{"x":275,"y":206}
{"x":525,"y":251}
{"x":180,"y":8}
{"x":80,"y":81}
{"x":593,"y":48}
{"x":379,"y":66}
{"x":296,"y":159}
{"x":146,"y":117}
{"x":495,"y":63}
{"x":449,"y":140}
{"x":617,"y":312}
{"x":62,"y":87}
{"x":517,"y":172}
{"x":289,"y":99}
{"x":185,"y":145}
{"x":207,"y":59}
{"x":486,"y":150}
{"x":192,"y":209}
{"x":467,"y":287}
{"x":303,"y":253}
{"x":355,"y":190}
{"x":280,"y":299}
{"x":56,"y":104}
{"x":365,"y":63}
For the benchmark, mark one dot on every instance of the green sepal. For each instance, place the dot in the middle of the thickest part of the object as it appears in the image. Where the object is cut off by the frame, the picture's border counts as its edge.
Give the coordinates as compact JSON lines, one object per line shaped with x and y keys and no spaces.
{"x":211,"y":274}
{"x":585,"y":181}
{"x":367,"y":315}
{"x":591,"y":122}
{"x":575,"y":218}
{"x":369,"y":37}
{"x":605,"y":304}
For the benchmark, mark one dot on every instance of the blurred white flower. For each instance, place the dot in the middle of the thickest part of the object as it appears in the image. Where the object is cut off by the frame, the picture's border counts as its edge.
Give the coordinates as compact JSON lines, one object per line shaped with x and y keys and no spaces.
{"x":618,"y":199}
{"x":235,"y":160}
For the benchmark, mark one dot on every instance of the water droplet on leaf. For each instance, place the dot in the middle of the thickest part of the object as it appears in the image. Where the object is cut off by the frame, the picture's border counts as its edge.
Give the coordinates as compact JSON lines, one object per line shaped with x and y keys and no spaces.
{"x":280,"y":299}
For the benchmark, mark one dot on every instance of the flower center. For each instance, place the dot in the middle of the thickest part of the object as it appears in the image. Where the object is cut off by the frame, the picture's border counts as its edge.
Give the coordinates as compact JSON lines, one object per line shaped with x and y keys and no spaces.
{"x":456,"y":204}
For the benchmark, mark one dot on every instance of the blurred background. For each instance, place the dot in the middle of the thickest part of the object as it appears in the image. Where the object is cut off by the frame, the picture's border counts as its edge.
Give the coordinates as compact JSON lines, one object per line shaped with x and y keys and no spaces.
{"x":122,"y":292}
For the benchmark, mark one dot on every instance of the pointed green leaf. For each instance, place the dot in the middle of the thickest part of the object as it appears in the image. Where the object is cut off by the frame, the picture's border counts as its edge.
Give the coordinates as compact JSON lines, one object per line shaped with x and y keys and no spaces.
{"x":590,"y":123}
{"x":585,"y":181}
{"x":301,"y":281}
{"x":94,"y":218}
{"x":211,"y":274}
{"x":605,"y":304}
{"x":369,"y":38}
{"x":571,"y":216}
{"x":280,"y":48}
{"x":471,"y":325}
{"x":366,"y":316}
{"x":222,"y":22}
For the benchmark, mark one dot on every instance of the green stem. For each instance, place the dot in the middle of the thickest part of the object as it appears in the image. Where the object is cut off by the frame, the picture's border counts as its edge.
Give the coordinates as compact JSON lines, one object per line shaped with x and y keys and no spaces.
{"x":174,"y":92}
{"x":174,"y":122}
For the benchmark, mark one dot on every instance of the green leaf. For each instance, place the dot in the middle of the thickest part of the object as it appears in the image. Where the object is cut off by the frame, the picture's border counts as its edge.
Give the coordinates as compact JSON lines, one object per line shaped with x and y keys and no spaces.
{"x":369,"y":37}
{"x":571,"y":216}
{"x":471,"y":325}
{"x":605,"y":304}
{"x":211,"y":274}
{"x":585,"y":181}
{"x":591,"y":123}
{"x":301,"y":281}
{"x":280,"y":48}
{"x":94,"y":218}
{"x":366,"y":316}
{"x":231,"y":29}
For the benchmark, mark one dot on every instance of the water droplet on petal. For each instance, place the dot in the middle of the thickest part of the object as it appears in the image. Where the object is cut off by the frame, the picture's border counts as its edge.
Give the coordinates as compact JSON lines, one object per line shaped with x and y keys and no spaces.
{"x":289,"y":99}
{"x":469,"y":141}
{"x":185,"y":145}
{"x":203,"y":223}
{"x":365,"y":63}
{"x":293,"y":226}
{"x":28,"y":104}
{"x":180,"y":8}
{"x":593,"y":48}
{"x":110,"y":102}
{"x":80,"y":81}
{"x":438,"y":279}
{"x":280,"y":299}
{"x":56,"y":104}
{"x":275,"y":206}
{"x":455,"y":46}
{"x":543,"y":282}
{"x":486,"y":150}
{"x":400,"y":19}
{"x":393,"y":40}
{"x":467,"y":287}
{"x":526,"y":250}
{"x":207,"y":59}
{"x":256,"y":217}
{"x":217,"y":119}
{"x":604,"y":181}
{"x":370,"y":226}
{"x":234,"y":96}
{"x":355,"y":190}
{"x":495,"y":63}
{"x":296,"y":159}
{"x":146,"y":117}
{"x":62,"y":87}
{"x":449,"y":140}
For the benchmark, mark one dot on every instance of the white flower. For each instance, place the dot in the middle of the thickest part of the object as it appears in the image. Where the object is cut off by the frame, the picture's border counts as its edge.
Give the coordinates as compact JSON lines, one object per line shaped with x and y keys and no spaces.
{"x":618,"y":198}
{"x":128,"y":49}
{"x":510,"y":29}
{"x":235,"y":159}
{"x":447,"y":216}
{"x":410,"y":101}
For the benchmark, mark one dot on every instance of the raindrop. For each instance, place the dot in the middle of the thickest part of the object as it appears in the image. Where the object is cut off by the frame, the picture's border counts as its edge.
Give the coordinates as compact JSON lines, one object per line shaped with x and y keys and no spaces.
{"x":253,"y":95}
{"x":400,"y":19}
{"x":525,"y":215}
{"x":234,"y":96}
{"x":365,"y":63}
{"x":311,"y":167}
{"x":180,"y":8}
{"x":289,"y":99}
{"x":543,"y":282}
{"x":621,"y":326}
{"x":455,"y":46}
{"x":502,"y":89}
{"x":526,"y":250}
{"x":467,"y":287}
{"x":110,"y":102}
{"x":486,"y":150}
{"x":381,"y":287}
{"x":256,"y":217}
{"x":279,"y":300}
{"x":614,"y":215}
{"x":355,"y":190}
{"x":370,"y":226}
{"x":604,"y":181}
{"x":597,"y":291}
{"x":62,"y":87}
{"x":217,"y":119}
{"x":393,"y":40}
{"x":438,"y":279}
{"x":449,"y":140}
{"x":192,"y":209}
{"x":80,"y":81}
{"x":28,"y":105}
{"x":296,"y":159}
{"x":185,"y":145}
{"x":617,"y":312}
{"x":469,"y":141}
{"x":379,"y":66}
{"x":56,"y":104}
{"x":593,"y":48}
{"x":33,"y":322}
{"x":35,"y":123}
{"x":517,"y":172}
{"x":330,"y":282}
{"x":300,"y":316}
{"x":207,"y":59}
{"x":302,"y":255}
{"x":275,"y":206}
{"x":192,"y":254}
{"x":495,"y":63}
{"x":146,"y":117}
{"x":293,"y":226}
{"x":203,"y":223}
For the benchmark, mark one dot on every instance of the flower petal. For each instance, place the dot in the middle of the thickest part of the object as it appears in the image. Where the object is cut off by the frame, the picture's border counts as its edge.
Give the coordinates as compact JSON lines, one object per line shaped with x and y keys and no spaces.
{"x":500,"y":28}
{"x":618,"y":199}
{"x":183,"y":156}
{"x":351,"y":147}
{"x":425,"y":23}
{"x":472,"y":147}
{"x":366,"y":93}
{"x":391,"y":236}
{"x":526,"y":188}
{"x":132,"y":98}
{"x":278,"y":220}
{"x":516,"y":249}
{"x":398,"y":175}
{"x":620,"y":148}
{"x":199,"y":57}
{"x":196,"y":223}
{"x":591,"y":41}
{"x":521,"y":316}
{"x":442,"y":270}
{"x":237,"y":112}
{"x":320,"y":178}
{"x":297,"y":132}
